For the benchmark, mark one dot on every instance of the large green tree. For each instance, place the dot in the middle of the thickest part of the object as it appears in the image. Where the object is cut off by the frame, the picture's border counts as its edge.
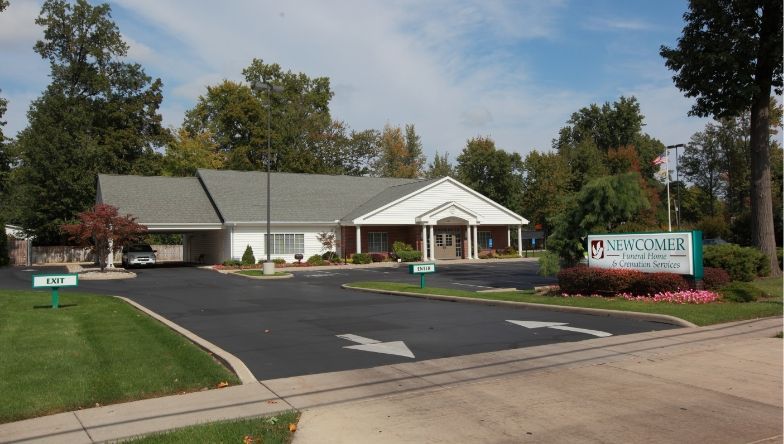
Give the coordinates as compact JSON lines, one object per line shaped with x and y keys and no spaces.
{"x":440,"y":167}
{"x":99,"y":114}
{"x":491,"y":171}
{"x":602,"y":205}
{"x":399,"y":153}
{"x":545,"y":187}
{"x":702,"y":164}
{"x":729,"y":58}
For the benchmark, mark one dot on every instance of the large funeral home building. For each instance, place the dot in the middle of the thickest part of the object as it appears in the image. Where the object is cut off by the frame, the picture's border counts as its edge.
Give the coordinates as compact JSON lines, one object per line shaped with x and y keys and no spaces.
{"x":220,"y":213}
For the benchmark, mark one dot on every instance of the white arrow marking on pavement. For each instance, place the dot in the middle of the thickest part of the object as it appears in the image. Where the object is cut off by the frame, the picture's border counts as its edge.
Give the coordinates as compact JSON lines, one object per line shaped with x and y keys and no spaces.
{"x":560,"y":326}
{"x":398,"y":348}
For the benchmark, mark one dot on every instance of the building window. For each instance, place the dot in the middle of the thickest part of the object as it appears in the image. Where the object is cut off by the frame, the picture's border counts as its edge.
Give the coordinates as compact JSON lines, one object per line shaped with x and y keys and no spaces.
{"x":483,"y":237}
{"x":377,"y":242}
{"x":287,"y":244}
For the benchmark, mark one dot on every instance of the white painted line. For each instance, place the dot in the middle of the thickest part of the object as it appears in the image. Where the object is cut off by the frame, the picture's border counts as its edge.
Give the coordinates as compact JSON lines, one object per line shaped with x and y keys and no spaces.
{"x":388,"y":348}
{"x":535,"y":324}
{"x":601,"y":334}
{"x":358,"y":339}
{"x":559,"y":326}
{"x":470,"y":285}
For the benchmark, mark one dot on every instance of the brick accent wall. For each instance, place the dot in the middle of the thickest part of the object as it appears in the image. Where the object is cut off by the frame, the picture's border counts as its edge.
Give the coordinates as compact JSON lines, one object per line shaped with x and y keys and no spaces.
{"x":409,"y":234}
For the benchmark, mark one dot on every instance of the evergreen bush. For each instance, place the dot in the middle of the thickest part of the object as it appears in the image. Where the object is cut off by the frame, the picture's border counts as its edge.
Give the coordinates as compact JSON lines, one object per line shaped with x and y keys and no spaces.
{"x":410,"y":256}
{"x":316,"y":259}
{"x":742,"y":263}
{"x":361,"y":258}
{"x":548,"y":264}
{"x":247,"y":256}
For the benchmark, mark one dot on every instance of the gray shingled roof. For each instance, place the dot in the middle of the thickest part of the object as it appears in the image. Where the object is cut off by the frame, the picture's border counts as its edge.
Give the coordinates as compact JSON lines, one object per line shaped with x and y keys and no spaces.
{"x":156,"y":199}
{"x":390,"y":194}
{"x":241,"y":195}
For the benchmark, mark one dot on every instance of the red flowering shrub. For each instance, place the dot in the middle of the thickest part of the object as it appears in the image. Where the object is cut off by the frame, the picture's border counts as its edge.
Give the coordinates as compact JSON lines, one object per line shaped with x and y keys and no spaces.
{"x":377,"y":257}
{"x":714,"y":278}
{"x":608,"y":282}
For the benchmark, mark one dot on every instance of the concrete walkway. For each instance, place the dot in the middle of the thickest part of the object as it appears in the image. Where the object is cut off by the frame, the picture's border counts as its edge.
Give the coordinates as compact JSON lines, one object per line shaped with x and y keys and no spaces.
{"x":712,"y":384}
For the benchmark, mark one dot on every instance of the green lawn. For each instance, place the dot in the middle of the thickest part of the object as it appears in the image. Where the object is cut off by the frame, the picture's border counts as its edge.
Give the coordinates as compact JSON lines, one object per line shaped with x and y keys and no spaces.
{"x":272,"y":430}
{"x":260,"y":273}
{"x":772,"y":286}
{"x":98,"y":350}
{"x":705,"y":314}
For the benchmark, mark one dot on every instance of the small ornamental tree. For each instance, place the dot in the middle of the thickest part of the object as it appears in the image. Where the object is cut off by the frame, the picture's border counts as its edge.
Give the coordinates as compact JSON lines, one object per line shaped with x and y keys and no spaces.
{"x":247,"y":257}
{"x":328,"y":240}
{"x":102,"y":224}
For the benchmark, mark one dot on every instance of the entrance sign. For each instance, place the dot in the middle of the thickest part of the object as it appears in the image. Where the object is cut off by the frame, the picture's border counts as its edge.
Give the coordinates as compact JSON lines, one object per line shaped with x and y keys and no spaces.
{"x":667,"y":252}
{"x":55,"y":281}
{"x":421,"y":270}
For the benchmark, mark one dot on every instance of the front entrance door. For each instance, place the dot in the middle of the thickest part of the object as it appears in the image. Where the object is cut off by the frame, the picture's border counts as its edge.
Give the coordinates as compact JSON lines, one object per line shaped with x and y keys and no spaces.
{"x":448,"y":243}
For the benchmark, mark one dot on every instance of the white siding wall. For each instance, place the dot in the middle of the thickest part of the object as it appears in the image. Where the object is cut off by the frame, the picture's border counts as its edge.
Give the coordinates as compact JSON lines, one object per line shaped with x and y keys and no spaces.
{"x":209,"y":243}
{"x":407,"y":210}
{"x":254,"y":236}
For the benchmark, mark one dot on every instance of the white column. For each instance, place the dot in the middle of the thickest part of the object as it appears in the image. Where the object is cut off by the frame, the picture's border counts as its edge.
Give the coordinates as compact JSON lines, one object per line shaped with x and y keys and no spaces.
{"x":508,"y":236}
{"x":424,"y":242}
{"x":520,"y":240}
{"x":468,"y":241}
{"x":432,"y":243}
{"x":475,"y":236}
{"x":359,"y":241}
{"x":110,"y":258}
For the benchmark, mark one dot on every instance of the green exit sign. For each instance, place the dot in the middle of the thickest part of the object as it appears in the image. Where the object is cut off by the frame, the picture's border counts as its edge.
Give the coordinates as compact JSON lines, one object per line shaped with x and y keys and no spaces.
{"x":421,"y":268}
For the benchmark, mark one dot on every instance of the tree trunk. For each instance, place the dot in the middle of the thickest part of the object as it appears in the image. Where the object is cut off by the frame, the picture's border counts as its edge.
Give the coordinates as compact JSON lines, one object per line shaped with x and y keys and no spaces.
{"x":762,"y":231}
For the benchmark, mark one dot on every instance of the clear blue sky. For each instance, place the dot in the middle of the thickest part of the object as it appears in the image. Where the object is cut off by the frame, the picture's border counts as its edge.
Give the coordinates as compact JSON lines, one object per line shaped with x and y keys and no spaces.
{"x":456,"y":69}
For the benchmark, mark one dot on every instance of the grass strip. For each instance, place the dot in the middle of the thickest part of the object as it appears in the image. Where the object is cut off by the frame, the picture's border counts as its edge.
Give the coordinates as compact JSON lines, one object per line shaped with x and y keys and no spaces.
{"x":93,"y":350}
{"x":700,"y":314}
{"x":270,"y":430}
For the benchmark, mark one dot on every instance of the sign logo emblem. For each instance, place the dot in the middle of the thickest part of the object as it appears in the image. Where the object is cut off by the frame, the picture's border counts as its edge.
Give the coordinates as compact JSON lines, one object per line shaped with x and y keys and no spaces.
{"x":597,"y":249}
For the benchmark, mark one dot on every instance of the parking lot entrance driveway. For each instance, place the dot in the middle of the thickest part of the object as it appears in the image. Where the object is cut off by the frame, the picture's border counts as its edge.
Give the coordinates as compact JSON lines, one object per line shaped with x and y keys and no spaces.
{"x":308,"y":324}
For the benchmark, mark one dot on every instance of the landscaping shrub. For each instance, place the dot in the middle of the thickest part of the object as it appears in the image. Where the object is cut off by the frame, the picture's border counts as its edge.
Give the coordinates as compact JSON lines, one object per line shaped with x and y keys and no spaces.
{"x":487,"y":255}
{"x":247,"y":256}
{"x":377,"y":257}
{"x":585,"y":280}
{"x":361,"y":258}
{"x":548,"y":264}
{"x":714,"y":278}
{"x":316,"y":259}
{"x":399,"y":246}
{"x":331,"y":256}
{"x":232,"y":263}
{"x":410,"y":256}
{"x":742,"y":263}
{"x":741,"y":292}
{"x":278,"y":261}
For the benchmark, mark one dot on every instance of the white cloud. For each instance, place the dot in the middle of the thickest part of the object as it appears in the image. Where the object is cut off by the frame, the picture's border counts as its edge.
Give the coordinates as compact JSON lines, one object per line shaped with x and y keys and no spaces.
{"x":617,"y":24}
{"x":17,"y":26}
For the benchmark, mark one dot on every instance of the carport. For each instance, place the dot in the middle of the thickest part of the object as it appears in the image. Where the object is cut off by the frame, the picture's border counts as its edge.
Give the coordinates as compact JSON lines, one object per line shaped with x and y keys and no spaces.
{"x":169,"y":205}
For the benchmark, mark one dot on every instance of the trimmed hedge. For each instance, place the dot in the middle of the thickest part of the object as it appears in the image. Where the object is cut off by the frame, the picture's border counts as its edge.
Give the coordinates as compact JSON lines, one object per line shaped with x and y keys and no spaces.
{"x":361,"y":258}
{"x":741,"y":292}
{"x":410,"y":256}
{"x":231,"y":263}
{"x":607,"y":282}
{"x":742,"y":263}
{"x":316,"y":259}
{"x":331,"y":256}
{"x":715,"y":278}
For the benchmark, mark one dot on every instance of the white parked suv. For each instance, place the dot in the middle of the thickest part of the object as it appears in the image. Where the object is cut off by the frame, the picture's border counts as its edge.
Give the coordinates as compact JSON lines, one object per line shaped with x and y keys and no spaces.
{"x":140,"y":254}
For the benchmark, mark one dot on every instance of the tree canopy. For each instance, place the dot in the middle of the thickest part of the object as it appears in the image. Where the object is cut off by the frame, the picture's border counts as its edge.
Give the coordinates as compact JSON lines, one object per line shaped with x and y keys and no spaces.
{"x":728,"y":58}
{"x":99,"y":114}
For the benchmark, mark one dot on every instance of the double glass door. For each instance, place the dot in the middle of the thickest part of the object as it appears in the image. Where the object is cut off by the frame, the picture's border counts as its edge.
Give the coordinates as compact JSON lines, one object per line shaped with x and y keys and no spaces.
{"x":448,"y":243}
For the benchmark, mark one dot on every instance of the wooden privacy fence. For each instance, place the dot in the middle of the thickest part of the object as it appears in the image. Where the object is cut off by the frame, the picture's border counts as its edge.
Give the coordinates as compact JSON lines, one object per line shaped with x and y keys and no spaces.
{"x":17,"y":251}
{"x":66,"y":254}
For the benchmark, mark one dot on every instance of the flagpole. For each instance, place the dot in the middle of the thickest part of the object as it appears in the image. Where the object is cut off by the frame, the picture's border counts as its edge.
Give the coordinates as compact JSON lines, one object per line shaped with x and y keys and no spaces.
{"x":667,"y":170}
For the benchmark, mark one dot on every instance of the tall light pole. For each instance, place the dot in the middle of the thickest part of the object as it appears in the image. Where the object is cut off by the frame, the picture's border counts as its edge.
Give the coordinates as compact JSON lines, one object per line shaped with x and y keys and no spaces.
{"x":677,"y":179}
{"x":269,"y":88}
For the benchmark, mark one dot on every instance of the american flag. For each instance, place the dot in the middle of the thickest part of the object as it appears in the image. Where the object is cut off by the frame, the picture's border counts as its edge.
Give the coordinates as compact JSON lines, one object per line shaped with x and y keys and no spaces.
{"x":660,"y":160}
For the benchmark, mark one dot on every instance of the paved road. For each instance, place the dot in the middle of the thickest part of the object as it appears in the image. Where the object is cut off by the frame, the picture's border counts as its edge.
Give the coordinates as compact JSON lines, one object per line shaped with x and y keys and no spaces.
{"x":289,"y":327}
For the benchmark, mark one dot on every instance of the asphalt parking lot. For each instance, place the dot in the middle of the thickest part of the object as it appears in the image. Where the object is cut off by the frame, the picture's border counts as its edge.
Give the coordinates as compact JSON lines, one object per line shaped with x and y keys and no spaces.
{"x":308,"y":324}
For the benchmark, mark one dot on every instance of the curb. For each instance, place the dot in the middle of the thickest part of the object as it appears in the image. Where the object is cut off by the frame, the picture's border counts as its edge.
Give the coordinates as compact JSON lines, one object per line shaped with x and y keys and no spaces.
{"x":239,"y":367}
{"x":667,"y":319}
{"x":273,"y":277}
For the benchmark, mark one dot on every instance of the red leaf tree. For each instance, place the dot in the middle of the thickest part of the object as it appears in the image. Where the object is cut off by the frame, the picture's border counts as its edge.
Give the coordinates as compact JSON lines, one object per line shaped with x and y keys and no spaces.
{"x":101,"y":224}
